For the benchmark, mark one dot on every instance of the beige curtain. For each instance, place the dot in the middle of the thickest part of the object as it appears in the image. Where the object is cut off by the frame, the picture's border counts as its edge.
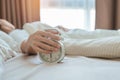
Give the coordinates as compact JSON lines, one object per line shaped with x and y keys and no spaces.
{"x":107,"y":14}
{"x":19,"y":12}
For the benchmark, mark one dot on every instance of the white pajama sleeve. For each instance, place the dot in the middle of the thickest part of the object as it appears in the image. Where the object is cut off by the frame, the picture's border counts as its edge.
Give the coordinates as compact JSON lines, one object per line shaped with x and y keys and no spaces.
{"x":19,"y":36}
{"x":104,"y":47}
{"x":84,"y":34}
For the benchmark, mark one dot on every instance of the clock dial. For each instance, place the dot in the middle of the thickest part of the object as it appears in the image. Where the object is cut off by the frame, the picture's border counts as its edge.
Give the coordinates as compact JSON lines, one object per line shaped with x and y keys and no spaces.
{"x":54,"y":57}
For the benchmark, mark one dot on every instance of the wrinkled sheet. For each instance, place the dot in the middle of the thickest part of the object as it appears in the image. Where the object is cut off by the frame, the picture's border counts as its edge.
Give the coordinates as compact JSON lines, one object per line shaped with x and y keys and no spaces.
{"x":71,"y":68}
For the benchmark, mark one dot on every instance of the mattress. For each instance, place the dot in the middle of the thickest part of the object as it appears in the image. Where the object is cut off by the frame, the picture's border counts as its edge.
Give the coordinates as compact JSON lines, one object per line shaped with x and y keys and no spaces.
{"x":71,"y":68}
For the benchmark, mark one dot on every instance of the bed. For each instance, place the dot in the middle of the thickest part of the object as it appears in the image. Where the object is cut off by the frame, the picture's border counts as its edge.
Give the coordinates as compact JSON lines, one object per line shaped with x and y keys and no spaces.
{"x":71,"y":68}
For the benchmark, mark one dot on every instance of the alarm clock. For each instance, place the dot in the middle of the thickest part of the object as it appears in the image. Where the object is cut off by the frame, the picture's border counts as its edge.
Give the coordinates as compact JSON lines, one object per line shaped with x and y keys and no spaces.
{"x":54,"y":57}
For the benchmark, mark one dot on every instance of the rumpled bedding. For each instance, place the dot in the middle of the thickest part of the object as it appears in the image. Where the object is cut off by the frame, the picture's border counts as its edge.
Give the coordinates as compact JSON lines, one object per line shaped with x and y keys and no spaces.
{"x":99,"y":43}
{"x":71,"y":68}
{"x":8,"y":46}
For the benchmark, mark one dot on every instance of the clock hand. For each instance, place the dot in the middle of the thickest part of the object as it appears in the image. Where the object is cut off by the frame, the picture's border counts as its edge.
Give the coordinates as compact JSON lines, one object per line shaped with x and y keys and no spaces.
{"x":50,"y":57}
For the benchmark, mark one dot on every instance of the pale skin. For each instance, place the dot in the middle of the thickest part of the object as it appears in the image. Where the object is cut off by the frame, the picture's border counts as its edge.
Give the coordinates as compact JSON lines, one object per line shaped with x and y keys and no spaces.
{"x":6,"y":26}
{"x":40,"y":41}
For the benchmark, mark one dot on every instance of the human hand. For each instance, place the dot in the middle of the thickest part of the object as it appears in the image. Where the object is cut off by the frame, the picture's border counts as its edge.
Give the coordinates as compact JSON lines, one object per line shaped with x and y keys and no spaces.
{"x":43,"y":42}
{"x":6,"y":26}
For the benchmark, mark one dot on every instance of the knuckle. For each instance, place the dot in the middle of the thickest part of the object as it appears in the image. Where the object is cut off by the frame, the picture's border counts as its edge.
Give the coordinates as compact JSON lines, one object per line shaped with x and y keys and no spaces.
{"x":44,"y":40}
{"x":50,"y":48}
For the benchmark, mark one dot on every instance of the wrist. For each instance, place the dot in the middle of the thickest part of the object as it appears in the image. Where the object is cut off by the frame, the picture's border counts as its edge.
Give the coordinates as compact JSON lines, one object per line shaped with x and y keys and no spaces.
{"x":23,"y":46}
{"x":26,"y":48}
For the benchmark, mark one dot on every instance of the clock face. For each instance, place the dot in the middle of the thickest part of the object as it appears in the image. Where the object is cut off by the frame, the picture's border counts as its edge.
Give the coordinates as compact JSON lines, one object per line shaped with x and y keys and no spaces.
{"x":54,"y":57}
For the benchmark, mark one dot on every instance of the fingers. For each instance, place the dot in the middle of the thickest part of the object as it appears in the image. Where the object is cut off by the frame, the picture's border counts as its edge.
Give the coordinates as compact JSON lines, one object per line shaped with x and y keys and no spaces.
{"x":48,"y":34}
{"x":47,"y":41}
{"x":45,"y":46}
{"x":37,"y":49}
{"x":44,"y":42}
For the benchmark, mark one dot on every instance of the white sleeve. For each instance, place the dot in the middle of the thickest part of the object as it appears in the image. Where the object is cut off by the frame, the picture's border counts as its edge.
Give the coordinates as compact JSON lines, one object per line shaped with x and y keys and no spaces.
{"x":103,"y":47}
{"x":19,"y":36}
{"x":34,"y":26}
{"x":84,"y":34}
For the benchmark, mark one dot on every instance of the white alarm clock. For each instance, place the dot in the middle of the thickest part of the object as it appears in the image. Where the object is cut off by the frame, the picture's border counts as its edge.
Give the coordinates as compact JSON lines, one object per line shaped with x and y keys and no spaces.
{"x":53,"y":57}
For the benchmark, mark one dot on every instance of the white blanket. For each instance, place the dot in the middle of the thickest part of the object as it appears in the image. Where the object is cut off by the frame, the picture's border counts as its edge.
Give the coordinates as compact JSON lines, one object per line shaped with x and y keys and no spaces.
{"x":95,"y":44}
{"x":71,"y":68}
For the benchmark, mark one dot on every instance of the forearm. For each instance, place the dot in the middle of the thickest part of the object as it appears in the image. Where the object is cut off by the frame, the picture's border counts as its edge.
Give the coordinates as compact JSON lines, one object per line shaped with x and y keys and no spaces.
{"x":84,"y":34}
{"x":104,"y":47}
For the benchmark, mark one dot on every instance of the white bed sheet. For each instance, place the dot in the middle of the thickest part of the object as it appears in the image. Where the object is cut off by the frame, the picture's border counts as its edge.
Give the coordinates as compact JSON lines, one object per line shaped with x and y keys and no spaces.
{"x":72,"y":68}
